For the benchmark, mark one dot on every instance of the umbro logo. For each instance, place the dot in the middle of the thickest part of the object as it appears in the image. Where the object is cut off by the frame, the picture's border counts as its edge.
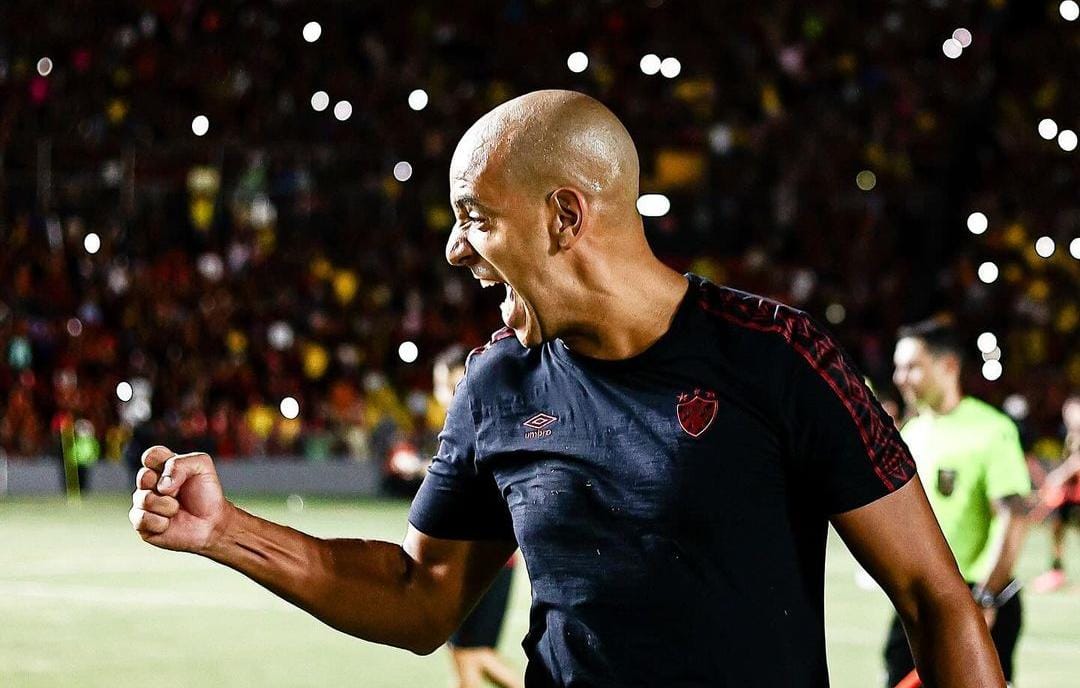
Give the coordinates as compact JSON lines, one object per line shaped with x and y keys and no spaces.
{"x":538,"y":425}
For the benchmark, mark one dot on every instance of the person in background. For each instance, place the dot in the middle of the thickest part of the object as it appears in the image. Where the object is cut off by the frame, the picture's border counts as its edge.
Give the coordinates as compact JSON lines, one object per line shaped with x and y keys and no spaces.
{"x":969,"y":457}
{"x":1062,"y":487}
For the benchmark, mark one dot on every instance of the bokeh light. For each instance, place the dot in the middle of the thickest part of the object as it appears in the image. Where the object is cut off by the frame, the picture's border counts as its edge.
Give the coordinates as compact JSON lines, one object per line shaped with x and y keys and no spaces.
{"x":408,"y":352}
{"x":290,"y":408}
{"x":1074,"y":248}
{"x":44,"y":66}
{"x":320,"y":100}
{"x":577,"y":62}
{"x":402,"y":171}
{"x":962,"y":36}
{"x":124,"y":391}
{"x":1044,"y":246}
{"x":343,"y":110}
{"x":312,"y":31}
{"x":835,"y":313}
{"x":670,"y":67}
{"x":653,"y":205}
{"x":650,"y":64}
{"x":200,"y":125}
{"x":991,"y":370}
{"x":1070,"y":10}
{"x":952,"y":48}
{"x":977,"y":223}
{"x":92,"y":243}
{"x":988,"y":272}
{"x":986,"y":342}
{"x":418,"y":99}
{"x":1048,"y":129}
{"x":1067,"y":140}
{"x":866,"y":180}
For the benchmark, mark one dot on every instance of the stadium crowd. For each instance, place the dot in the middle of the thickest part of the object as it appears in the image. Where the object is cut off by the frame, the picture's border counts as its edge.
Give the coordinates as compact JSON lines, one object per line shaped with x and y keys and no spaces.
{"x":283,"y":255}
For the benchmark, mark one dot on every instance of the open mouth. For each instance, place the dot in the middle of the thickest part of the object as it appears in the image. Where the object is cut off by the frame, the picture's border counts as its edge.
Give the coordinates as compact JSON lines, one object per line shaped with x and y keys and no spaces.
{"x":512,"y":308}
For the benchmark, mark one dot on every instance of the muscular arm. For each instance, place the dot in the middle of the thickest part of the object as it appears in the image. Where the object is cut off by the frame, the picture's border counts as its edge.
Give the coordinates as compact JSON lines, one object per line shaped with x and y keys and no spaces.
{"x":898,"y":540}
{"x":411,"y":596}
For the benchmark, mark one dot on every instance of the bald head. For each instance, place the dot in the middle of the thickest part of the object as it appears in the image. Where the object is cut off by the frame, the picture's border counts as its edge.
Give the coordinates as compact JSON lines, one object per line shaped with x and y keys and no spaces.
{"x":549,"y":139}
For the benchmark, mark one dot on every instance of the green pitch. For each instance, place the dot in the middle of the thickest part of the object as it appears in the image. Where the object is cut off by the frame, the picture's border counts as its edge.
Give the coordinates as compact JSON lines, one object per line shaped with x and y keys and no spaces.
{"x":84,"y":603}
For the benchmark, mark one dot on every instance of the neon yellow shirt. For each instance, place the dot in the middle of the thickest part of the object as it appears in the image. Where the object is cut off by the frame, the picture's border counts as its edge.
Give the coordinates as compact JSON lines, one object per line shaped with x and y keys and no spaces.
{"x":967,"y":458}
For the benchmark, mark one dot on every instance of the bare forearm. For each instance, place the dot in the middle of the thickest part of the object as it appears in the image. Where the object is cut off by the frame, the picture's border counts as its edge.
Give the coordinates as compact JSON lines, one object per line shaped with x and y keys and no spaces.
{"x":368,"y":589}
{"x":1007,"y":552}
{"x":950,"y":642}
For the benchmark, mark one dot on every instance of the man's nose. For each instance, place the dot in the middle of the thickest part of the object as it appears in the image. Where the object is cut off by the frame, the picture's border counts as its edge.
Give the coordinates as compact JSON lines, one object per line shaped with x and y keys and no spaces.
{"x":458,"y":249}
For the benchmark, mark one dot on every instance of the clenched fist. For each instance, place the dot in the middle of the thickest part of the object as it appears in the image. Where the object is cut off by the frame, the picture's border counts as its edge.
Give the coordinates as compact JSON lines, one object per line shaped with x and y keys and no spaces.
{"x":178,"y":503}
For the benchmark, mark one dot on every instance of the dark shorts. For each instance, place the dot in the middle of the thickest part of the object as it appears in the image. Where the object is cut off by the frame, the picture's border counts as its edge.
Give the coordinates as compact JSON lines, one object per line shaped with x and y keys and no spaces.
{"x":1068,"y":511}
{"x":481,"y":628}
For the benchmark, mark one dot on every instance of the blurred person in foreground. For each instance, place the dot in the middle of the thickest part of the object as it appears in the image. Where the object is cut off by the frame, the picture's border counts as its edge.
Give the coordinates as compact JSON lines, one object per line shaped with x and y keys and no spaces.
{"x":666,"y":452}
{"x":970,"y":456}
{"x":1061,"y":490}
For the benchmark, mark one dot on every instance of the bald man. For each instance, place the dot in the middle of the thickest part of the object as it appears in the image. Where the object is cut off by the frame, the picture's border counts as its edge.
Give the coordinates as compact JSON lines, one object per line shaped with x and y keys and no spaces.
{"x":666,"y":452}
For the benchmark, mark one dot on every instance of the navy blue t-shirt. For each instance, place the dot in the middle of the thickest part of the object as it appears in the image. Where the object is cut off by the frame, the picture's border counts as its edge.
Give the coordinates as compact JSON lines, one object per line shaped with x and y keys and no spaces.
{"x":672,"y":507}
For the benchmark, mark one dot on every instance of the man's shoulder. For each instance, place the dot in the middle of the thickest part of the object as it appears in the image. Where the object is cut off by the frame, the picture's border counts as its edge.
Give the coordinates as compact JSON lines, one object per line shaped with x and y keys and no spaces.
{"x":502,"y":358}
{"x":746,"y":310}
{"x":980,"y":413}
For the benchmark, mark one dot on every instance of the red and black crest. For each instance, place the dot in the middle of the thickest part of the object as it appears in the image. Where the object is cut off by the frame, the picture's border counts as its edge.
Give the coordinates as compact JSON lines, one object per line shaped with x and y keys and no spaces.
{"x":696,"y":411}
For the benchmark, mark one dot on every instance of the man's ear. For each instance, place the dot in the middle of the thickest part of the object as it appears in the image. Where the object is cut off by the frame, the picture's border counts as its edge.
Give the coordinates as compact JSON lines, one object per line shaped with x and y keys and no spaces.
{"x":568,"y":219}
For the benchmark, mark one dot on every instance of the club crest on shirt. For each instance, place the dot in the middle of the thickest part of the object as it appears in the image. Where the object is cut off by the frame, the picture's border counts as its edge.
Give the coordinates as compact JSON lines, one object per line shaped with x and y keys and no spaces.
{"x":696,"y":411}
{"x":946,"y":482}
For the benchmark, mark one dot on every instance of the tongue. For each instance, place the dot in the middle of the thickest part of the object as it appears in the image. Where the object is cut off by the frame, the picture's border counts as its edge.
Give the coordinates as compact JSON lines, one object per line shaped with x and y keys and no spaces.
{"x":509,"y":307}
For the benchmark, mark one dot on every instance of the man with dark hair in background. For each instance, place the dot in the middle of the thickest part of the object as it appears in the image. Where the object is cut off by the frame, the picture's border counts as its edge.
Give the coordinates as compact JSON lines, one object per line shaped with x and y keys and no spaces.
{"x":970,"y":460}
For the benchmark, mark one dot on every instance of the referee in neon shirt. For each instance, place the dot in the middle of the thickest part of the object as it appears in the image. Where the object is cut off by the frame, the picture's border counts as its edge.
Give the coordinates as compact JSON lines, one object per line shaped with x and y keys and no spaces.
{"x":970,"y":461}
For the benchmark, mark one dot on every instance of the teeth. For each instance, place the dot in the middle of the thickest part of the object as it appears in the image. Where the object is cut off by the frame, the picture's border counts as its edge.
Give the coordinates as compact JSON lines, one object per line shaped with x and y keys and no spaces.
{"x":487,"y":283}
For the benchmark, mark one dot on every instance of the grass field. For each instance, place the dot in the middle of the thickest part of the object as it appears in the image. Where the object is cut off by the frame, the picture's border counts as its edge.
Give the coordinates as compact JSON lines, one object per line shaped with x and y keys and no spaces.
{"x":84,"y":603}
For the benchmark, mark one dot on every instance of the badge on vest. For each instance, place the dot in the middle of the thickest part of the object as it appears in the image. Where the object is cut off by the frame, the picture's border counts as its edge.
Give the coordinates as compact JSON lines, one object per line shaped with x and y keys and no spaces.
{"x":946,"y":481}
{"x":696,"y":411}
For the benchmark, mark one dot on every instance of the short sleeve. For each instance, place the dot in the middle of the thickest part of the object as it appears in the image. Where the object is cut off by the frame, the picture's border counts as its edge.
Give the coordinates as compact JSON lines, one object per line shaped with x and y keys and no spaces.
{"x":1006,"y":470}
{"x":841,"y":439}
{"x":458,"y":500}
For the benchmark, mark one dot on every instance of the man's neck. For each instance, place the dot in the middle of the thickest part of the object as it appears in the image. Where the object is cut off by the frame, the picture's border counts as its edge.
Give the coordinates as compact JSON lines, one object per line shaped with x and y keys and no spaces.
{"x":948,"y":401}
{"x":623,"y":311}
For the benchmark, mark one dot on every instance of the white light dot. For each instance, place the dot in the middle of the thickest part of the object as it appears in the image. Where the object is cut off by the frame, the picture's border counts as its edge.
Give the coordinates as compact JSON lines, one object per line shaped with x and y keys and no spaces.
{"x":977,"y":223}
{"x":1069,"y":10}
{"x":290,"y":408}
{"x":835,"y":313}
{"x":1044,"y":246}
{"x":992,"y":370}
{"x":200,"y":125}
{"x":418,"y":99}
{"x":653,"y":205}
{"x":408,"y":352}
{"x":1074,"y":248}
{"x":343,"y":110}
{"x":952,"y":48}
{"x":962,"y":36}
{"x":986,"y":342}
{"x":124,"y":391}
{"x":650,"y":64}
{"x":866,"y":180}
{"x":44,"y":66}
{"x":988,"y":272}
{"x":993,"y":355}
{"x":320,"y":100}
{"x":1048,"y":129}
{"x":312,"y":31}
{"x":92,"y":243}
{"x":670,"y":67}
{"x":402,"y":171}
{"x":1067,"y":140}
{"x":1017,"y":406}
{"x":577,"y":62}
